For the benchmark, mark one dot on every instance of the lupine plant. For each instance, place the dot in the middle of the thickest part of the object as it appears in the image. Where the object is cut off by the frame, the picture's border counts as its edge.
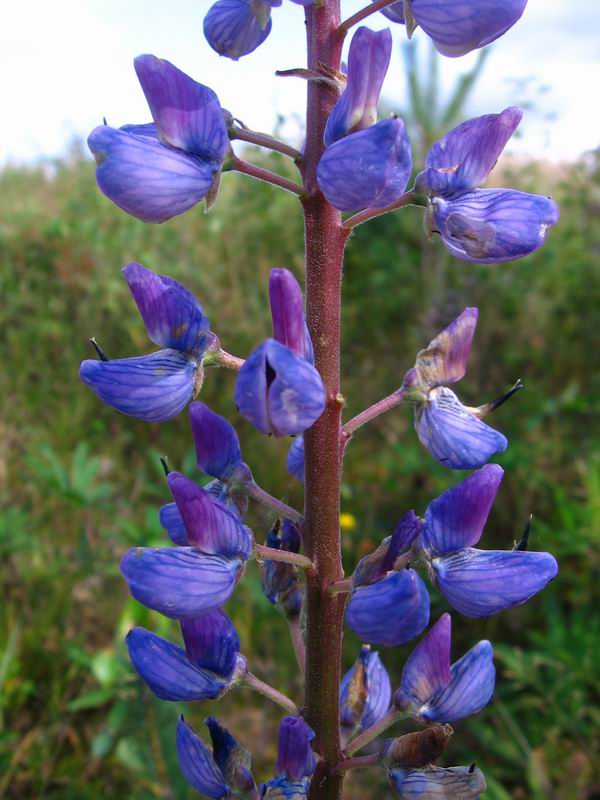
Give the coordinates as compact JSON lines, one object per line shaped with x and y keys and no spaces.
{"x":352,"y":168}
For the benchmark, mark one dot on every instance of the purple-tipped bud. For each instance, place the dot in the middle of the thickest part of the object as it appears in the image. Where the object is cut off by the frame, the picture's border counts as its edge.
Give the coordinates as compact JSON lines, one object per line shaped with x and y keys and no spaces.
{"x":295,"y":755}
{"x":438,"y":692}
{"x":279,"y":392}
{"x":437,"y":783}
{"x":179,"y":582}
{"x":187,"y":114}
{"x":152,"y":388}
{"x":368,"y":62}
{"x":456,"y":518}
{"x":234,"y":28}
{"x":374,"y":566}
{"x":365,"y":692}
{"x":295,"y":459}
{"x":210,"y":526}
{"x":287,"y":312}
{"x":367,"y":169}
{"x":217,"y":445}
{"x":197,"y":763}
{"x":390,"y":612}
{"x":172,"y":315}
{"x":464,"y":157}
{"x":280,"y":581}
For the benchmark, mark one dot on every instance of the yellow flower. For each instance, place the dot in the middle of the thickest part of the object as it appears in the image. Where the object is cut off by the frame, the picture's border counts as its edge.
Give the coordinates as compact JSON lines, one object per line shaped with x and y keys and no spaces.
{"x":347,"y":521}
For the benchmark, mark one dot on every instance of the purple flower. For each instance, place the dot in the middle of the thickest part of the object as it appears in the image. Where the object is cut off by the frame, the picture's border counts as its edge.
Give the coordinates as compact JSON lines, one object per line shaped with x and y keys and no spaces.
{"x":453,"y":433}
{"x":217,"y":774}
{"x":295,"y":756}
{"x":170,"y":520}
{"x":391,"y":611}
{"x":368,"y":62}
{"x":365,"y":693}
{"x":280,"y":581}
{"x":157,"y":171}
{"x":434,"y":690}
{"x":180,"y":582}
{"x":210,"y":526}
{"x":478,"y":583}
{"x":458,"y":28}
{"x":158,"y":386}
{"x":287,"y":312}
{"x":279,"y":392}
{"x":437,"y":783}
{"x":487,"y":226}
{"x":366,"y":169}
{"x":205,"y":670}
{"x":295,"y":762}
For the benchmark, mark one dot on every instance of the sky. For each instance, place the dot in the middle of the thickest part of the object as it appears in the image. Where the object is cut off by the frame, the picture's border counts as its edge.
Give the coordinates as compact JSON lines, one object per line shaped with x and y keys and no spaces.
{"x":66,"y":64}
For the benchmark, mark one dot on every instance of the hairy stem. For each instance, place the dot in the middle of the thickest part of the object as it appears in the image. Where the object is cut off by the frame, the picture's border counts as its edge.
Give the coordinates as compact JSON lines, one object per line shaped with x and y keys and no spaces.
{"x":264,"y":140}
{"x":229,"y":361}
{"x":325,"y":240}
{"x":373,"y":411}
{"x":273,"y":554}
{"x":239,"y":165}
{"x":254,"y":683}
{"x":359,"y":762}
{"x":266,"y":499}
{"x":393,"y":715}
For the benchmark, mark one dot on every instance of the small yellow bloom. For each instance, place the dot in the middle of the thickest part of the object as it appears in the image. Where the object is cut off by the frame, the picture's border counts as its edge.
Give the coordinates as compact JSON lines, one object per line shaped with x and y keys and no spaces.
{"x":347,"y":521}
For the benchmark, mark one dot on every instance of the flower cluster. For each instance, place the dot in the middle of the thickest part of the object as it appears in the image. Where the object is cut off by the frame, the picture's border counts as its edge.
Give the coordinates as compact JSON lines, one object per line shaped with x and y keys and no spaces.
{"x":158,"y":170}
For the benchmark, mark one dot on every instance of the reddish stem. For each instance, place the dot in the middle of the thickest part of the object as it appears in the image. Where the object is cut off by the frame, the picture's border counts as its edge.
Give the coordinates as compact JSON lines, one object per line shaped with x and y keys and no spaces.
{"x":407,"y":199}
{"x":373,"y":411}
{"x":239,"y":165}
{"x":325,"y":240}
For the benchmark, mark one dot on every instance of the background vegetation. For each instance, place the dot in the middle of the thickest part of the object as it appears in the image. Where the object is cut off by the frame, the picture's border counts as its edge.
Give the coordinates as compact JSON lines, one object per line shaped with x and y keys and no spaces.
{"x":80,"y":483}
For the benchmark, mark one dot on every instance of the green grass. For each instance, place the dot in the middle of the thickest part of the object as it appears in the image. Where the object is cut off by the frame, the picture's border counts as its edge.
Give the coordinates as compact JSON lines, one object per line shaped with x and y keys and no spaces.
{"x":80,"y":483}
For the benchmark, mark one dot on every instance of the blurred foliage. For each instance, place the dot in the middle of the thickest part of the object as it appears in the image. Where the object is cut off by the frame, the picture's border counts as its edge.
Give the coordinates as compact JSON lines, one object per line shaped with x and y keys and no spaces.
{"x":79,"y":483}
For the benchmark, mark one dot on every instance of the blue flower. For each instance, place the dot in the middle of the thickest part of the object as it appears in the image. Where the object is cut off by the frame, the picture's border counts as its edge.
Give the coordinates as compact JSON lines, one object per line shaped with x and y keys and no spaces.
{"x":162,"y":169}
{"x":218,"y":773}
{"x":205,"y":669}
{"x":487,"y":226}
{"x":366,"y":169}
{"x":365,"y":693}
{"x":436,"y":691}
{"x":158,"y":386}
{"x":458,"y":28}
{"x":295,"y":762}
{"x":452,"y":432}
{"x":475,"y":582}
{"x":391,"y":611}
